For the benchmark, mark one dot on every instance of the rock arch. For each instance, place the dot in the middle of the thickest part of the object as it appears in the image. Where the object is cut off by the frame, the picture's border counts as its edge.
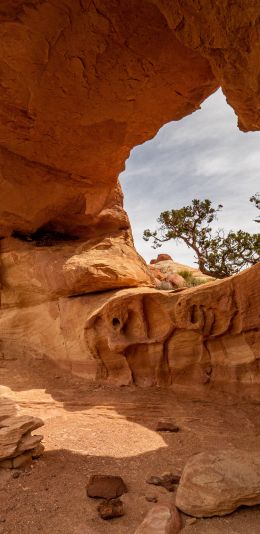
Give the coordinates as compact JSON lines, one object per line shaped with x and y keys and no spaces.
{"x":82,"y":82}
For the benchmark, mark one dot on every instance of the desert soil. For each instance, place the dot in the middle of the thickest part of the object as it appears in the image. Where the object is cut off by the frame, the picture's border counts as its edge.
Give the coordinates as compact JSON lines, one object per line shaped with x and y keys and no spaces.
{"x":91,"y":429}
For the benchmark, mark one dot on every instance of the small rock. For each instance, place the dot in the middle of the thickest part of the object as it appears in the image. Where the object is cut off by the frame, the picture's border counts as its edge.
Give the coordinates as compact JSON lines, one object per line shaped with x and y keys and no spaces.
{"x":167,"y":426}
{"x":111,"y":509}
{"x":151,"y":498}
{"x":16,"y":474}
{"x":190,"y":521}
{"x":167,"y":481}
{"x":6,"y":464}
{"x":106,"y":487}
{"x":161,"y":519}
{"x":37,"y":451}
{"x":154,"y":480}
{"x":22,"y":460}
{"x":2,"y":519}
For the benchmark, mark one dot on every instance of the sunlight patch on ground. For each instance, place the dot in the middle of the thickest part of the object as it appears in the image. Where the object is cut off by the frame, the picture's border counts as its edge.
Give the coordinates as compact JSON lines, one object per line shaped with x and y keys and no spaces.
{"x":96,"y":434}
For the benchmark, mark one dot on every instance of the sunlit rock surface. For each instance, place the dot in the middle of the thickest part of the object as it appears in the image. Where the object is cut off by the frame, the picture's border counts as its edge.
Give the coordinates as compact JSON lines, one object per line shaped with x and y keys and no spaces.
{"x":218,"y":483}
{"x":207,"y":334}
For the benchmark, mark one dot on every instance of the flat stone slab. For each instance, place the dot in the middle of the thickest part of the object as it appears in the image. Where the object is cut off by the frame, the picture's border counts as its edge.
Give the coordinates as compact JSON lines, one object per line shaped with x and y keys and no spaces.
{"x":218,"y":483}
{"x":106,"y":487}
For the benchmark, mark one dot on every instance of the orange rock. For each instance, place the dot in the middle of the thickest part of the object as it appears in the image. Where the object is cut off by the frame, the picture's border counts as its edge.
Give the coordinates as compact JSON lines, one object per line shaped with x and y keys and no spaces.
{"x":209,"y":333}
{"x":161,"y":519}
{"x":176,"y":280}
{"x":163,"y":257}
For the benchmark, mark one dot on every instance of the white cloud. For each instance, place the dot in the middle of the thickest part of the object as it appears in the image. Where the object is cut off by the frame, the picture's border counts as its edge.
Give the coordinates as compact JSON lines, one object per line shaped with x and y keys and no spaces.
{"x":202,"y":156}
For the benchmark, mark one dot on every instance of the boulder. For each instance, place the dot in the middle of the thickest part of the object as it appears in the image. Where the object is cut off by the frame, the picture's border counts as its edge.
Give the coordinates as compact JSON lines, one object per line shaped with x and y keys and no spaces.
{"x":176,"y":280}
{"x":161,"y":519}
{"x":166,"y":280}
{"x":163,"y":257}
{"x":218,"y":483}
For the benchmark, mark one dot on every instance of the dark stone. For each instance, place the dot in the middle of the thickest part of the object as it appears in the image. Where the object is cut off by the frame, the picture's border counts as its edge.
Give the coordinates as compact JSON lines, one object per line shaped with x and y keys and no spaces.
{"x":106,"y":487}
{"x":151,"y":498}
{"x":167,"y":426}
{"x":167,"y":481}
{"x":16,"y":474}
{"x":111,"y":509}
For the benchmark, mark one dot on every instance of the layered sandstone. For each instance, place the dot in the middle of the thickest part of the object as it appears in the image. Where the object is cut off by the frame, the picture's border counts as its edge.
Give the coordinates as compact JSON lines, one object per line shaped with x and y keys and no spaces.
{"x":218,"y":483}
{"x":17,"y":445}
{"x":207,"y":334}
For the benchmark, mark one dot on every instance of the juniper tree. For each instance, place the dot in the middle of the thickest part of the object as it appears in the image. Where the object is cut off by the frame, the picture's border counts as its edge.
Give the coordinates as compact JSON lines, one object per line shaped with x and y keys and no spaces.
{"x":217,"y":254}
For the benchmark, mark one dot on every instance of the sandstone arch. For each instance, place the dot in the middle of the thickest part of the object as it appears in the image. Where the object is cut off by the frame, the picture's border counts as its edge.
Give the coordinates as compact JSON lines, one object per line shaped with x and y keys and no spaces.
{"x":82,"y":82}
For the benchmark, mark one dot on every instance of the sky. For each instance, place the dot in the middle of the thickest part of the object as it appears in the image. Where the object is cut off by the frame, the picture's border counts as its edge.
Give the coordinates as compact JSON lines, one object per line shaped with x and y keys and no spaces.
{"x":202,"y":156}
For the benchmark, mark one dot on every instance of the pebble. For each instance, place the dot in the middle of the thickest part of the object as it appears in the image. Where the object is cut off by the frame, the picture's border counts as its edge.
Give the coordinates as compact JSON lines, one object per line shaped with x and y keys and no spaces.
{"x":16,"y":474}
{"x":151,"y":498}
{"x":167,"y":481}
{"x":191,"y":520}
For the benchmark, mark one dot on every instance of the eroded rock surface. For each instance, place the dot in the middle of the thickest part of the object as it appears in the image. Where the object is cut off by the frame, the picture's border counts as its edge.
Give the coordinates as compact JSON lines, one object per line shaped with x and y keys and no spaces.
{"x":80,"y":82}
{"x":17,"y":444}
{"x":148,"y":337}
{"x":218,"y":483}
{"x":34,"y":274}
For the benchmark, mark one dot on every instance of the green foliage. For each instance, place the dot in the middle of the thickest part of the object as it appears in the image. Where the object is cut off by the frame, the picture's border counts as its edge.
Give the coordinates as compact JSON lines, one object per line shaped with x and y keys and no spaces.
{"x":256,"y":200}
{"x":190,"y":280}
{"x":218,"y":255}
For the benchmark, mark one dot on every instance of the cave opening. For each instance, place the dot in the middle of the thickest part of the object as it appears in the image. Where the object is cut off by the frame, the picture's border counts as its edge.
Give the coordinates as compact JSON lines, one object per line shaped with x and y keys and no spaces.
{"x":45,"y":236}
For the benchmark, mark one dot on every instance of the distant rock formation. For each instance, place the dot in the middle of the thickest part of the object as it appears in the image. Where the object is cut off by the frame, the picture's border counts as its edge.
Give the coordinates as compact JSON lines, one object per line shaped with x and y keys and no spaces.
{"x":168,"y":274}
{"x":161,"y":257}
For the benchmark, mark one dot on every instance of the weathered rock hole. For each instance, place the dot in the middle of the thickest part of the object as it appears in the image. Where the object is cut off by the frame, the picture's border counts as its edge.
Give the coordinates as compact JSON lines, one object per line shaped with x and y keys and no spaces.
{"x":193,"y":314}
{"x":43,"y":237}
{"x":115,"y":321}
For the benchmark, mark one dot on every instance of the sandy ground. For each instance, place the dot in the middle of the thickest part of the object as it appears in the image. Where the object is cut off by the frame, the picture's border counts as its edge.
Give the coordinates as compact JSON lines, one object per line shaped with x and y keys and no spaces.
{"x":107,"y":430}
